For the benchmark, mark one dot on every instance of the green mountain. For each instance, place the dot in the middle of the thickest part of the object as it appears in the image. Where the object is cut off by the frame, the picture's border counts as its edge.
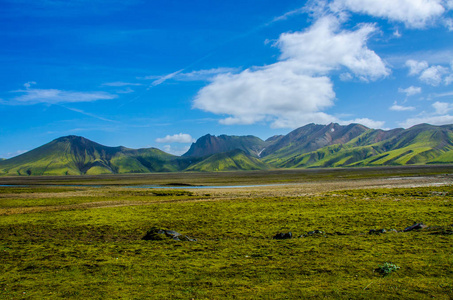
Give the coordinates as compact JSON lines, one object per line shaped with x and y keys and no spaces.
{"x":229,"y":161}
{"x":210,"y":144}
{"x":309,"y":138}
{"x":74,"y":155}
{"x":311,"y":146}
{"x":421,"y":144}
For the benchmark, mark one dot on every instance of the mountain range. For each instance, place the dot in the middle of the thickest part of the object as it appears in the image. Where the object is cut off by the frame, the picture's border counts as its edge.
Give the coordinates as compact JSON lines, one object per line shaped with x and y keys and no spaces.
{"x":310,"y":146}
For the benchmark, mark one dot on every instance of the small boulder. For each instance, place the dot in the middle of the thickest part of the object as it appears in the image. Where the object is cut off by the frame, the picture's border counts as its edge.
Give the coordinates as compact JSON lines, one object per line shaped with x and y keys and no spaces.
{"x":377,"y":231}
{"x":416,"y":226}
{"x":283,"y":236}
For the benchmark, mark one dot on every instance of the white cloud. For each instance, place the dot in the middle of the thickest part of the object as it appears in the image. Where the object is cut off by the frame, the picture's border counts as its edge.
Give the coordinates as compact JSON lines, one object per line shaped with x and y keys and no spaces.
{"x":396,"y":107}
{"x":162,"y":79}
{"x":442,"y":107}
{"x":54,"y":96}
{"x":127,"y":90}
{"x":200,"y":75}
{"x":413,"y":13}
{"x":29,"y":84}
{"x":175,"y":150}
{"x":88,"y":114}
{"x":397,"y":34}
{"x":449,"y":4}
{"x":366,"y":122}
{"x":449,"y":24}
{"x":449,"y":79}
{"x":324,"y":47}
{"x":440,"y":116}
{"x":416,"y":67}
{"x":441,"y":95}
{"x":433,"y":75}
{"x":346,"y":76}
{"x":182,"y":138}
{"x":410,"y":91}
{"x":295,"y":90}
{"x":274,"y":92}
{"x":197,"y":75}
{"x":433,"y":120}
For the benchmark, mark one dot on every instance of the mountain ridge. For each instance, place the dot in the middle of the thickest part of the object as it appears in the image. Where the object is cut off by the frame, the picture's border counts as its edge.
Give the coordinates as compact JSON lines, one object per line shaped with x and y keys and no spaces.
{"x":310,"y":146}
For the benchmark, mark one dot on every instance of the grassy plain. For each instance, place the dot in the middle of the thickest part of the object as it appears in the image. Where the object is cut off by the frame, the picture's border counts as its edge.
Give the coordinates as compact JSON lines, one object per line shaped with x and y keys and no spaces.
{"x":81,"y":237}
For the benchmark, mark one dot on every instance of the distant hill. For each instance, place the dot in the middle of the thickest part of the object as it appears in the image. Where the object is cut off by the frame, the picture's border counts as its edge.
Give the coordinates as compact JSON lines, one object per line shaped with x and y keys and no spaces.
{"x":421,"y":144}
{"x":311,"y":146}
{"x":309,"y":138}
{"x":75,"y":155}
{"x":211,"y":144}
{"x":229,"y":161}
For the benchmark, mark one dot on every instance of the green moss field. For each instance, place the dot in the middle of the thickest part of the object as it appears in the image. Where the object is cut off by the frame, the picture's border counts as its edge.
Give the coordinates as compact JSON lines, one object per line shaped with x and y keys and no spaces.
{"x":82,"y":238}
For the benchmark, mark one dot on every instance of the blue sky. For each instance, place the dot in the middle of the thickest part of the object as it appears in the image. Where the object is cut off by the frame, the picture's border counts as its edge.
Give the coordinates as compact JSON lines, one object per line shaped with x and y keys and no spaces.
{"x":163,"y":73}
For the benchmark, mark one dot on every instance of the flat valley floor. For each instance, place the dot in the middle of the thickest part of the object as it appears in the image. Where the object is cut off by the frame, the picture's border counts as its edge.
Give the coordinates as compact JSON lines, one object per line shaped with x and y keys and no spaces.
{"x":81,"y":237}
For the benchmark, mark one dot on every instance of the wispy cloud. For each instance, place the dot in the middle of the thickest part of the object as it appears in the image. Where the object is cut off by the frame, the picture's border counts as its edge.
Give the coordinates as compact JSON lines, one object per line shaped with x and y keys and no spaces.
{"x":288,"y":14}
{"x":202,"y":75}
{"x":121,"y":84}
{"x":396,"y":107}
{"x":164,"y":78}
{"x":410,"y":91}
{"x":54,"y":96}
{"x":88,"y":114}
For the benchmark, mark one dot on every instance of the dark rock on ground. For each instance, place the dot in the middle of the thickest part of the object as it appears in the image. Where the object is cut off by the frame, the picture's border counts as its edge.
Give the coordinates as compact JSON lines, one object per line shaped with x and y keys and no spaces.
{"x":416,"y":226}
{"x":283,"y":236}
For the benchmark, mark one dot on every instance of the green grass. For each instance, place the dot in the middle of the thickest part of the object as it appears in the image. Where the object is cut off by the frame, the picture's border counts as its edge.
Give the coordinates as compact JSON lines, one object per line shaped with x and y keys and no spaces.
{"x":86,"y":252}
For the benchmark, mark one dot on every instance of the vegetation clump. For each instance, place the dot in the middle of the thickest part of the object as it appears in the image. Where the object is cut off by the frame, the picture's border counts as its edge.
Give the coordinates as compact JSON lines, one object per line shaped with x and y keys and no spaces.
{"x":387,"y":268}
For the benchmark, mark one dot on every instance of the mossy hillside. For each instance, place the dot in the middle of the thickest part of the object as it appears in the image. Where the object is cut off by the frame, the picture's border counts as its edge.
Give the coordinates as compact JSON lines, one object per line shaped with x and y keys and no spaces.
{"x":420,"y":145}
{"x":229,"y":161}
{"x":98,"y":252}
{"x":76,"y":156}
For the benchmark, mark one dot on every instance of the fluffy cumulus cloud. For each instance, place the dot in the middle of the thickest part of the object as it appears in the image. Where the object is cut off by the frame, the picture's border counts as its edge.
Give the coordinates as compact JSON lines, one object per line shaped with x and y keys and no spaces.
{"x":183,"y":138}
{"x":324,"y":47}
{"x":416,"y":67}
{"x":54,"y":96}
{"x":296,"y":89}
{"x":413,"y":13}
{"x":442,"y":108}
{"x":432,"y":75}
